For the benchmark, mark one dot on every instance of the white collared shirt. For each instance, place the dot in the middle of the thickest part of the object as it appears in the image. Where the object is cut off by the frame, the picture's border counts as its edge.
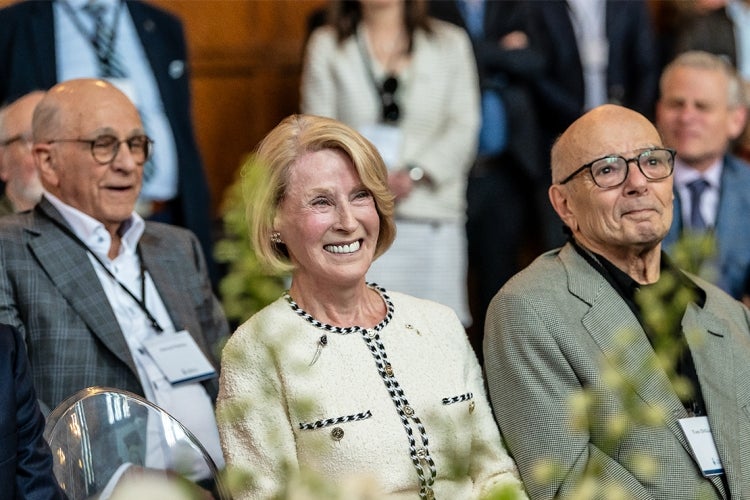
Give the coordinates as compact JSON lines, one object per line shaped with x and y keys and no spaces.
{"x":76,"y":58}
{"x":739,"y":12}
{"x":190,"y":403}
{"x":588,"y":18}
{"x":683,"y":175}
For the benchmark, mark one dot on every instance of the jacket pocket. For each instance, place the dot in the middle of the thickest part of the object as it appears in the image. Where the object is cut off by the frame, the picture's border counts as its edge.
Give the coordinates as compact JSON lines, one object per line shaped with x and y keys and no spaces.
{"x":320,"y":424}
{"x":459,"y":399}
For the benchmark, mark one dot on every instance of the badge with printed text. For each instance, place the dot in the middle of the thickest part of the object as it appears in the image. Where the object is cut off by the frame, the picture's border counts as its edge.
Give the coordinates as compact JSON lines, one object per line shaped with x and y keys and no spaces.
{"x":179,"y":358}
{"x":698,"y":433}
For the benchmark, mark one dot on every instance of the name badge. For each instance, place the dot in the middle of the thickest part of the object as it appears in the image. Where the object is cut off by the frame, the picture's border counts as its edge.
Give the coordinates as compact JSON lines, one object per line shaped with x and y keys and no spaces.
{"x":698,"y":433}
{"x":179,"y":358}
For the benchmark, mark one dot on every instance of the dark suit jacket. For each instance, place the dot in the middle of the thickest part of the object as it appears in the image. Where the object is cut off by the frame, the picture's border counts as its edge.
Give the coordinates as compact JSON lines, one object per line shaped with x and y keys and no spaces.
{"x":713,"y":32}
{"x":510,"y":73}
{"x":632,"y":73}
{"x":27,"y":62}
{"x":25,"y":459}
{"x":556,"y":327}
{"x":731,"y":229}
{"x":50,"y":291}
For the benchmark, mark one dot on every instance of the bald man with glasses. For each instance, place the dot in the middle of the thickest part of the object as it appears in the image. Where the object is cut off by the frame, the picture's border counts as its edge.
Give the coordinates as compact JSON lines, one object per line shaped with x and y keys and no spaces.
{"x":571,"y":332}
{"x":98,"y":293}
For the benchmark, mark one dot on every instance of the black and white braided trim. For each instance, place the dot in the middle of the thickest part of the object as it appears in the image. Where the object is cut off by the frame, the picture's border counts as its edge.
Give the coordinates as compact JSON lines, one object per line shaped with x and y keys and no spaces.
{"x":420,"y":454}
{"x":458,"y":399}
{"x":320,"y":424}
{"x":407,"y":416}
{"x":348,"y":329}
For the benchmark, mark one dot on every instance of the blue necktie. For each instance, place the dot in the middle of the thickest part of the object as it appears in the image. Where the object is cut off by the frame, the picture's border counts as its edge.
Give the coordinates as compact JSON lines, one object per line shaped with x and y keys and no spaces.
{"x":697,"y":188}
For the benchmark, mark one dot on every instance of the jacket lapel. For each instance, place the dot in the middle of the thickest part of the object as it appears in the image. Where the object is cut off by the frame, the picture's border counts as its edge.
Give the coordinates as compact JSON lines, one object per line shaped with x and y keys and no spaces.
{"x":712,"y":354}
{"x":71,"y":272}
{"x":622,"y":340}
{"x":732,"y":205}
{"x":625,"y":345}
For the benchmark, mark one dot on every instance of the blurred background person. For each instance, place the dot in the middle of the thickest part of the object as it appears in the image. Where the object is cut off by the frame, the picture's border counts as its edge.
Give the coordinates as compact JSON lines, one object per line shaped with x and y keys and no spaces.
{"x":340,"y":376}
{"x":500,"y":211}
{"x":409,"y":84}
{"x":597,"y":51}
{"x":720,"y":27}
{"x":700,"y":112}
{"x":23,"y":189}
{"x":141,"y":49}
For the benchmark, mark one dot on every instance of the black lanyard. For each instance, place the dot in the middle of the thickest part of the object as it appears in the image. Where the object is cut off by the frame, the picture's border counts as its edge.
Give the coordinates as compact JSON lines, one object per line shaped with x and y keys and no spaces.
{"x":142,"y":301}
{"x":105,"y":55}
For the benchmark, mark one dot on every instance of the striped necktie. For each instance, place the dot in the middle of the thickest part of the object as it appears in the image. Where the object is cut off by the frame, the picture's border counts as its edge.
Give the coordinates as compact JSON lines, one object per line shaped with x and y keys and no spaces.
{"x":103,"y":40}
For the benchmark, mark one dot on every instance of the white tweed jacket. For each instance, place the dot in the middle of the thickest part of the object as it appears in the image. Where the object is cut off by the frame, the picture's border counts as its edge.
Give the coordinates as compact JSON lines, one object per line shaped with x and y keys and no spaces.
{"x":360,"y":403}
{"x":438,"y":96}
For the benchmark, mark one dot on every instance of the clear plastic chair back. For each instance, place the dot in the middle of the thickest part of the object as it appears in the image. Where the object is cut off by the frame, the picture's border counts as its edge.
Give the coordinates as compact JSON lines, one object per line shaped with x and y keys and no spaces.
{"x":112,"y":444}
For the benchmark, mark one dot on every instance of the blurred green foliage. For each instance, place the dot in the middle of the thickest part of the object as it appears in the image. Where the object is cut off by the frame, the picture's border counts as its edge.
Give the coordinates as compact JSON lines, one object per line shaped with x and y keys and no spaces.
{"x":246,"y":287}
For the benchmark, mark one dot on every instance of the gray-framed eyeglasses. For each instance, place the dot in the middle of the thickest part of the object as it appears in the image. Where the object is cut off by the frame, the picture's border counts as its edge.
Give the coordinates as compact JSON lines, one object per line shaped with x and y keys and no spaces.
{"x":104,"y":148}
{"x":611,"y":171}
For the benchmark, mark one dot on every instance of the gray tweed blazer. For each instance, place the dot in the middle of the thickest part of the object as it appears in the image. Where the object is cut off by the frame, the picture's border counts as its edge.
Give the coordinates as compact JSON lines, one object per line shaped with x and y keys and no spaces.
{"x":50,"y":291}
{"x":549,"y":331}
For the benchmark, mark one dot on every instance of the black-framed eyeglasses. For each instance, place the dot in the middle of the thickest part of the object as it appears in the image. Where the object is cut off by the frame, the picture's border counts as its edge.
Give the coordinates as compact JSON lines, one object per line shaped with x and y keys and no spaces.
{"x":391,"y":112}
{"x":104,"y":148}
{"x":611,"y":171}
{"x":27,"y":140}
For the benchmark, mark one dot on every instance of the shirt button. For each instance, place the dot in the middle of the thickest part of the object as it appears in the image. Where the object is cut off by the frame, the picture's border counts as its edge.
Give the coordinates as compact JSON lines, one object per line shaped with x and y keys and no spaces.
{"x":408,"y":411}
{"x":371,"y":334}
{"x":471,"y":407}
{"x":429,"y":494}
{"x":421,"y":453}
{"x":389,"y":370}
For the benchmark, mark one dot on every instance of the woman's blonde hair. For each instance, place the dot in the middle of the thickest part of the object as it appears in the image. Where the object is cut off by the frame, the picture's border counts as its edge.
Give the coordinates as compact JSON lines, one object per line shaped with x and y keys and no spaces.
{"x":266,"y":176}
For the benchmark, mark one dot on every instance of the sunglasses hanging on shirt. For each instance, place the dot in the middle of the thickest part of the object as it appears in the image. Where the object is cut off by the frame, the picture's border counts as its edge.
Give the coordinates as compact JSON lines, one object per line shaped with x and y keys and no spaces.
{"x":391,"y":111}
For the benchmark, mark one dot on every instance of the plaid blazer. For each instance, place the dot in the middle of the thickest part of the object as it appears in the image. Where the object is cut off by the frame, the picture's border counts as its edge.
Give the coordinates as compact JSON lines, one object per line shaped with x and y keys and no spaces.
{"x":50,"y":291}
{"x":550,"y":330}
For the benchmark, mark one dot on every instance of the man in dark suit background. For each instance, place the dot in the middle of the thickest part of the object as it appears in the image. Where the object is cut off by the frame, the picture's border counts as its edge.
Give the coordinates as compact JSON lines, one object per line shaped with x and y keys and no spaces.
{"x":597,"y":52}
{"x":92,"y":287}
{"x":144,"y":52}
{"x":510,"y":163}
{"x":25,"y":459}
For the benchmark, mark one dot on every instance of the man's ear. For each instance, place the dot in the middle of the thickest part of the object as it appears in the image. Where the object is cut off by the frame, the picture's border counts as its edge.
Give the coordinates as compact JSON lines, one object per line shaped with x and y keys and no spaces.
{"x":559,"y":196}
{"x":737,"y":121}
{"x":44,"y":160}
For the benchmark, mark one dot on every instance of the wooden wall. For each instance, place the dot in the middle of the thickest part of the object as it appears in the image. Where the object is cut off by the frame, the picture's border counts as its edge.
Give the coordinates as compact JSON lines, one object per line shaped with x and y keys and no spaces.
{"x":245,"y":57}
